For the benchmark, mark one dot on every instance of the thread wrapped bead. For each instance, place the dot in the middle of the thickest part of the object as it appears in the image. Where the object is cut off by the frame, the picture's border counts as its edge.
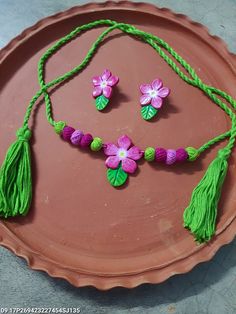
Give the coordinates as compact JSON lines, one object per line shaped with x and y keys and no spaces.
{"x":149,"y":154}
{"x":59,"y":126}
{"x":160,"y":154}
{"x":96,"y":144}
{"x":76,"y":137}
{"x":67,"y":132}
{"x":181,"y":155}
{"x":86,"y":140}
{"x":192,"y":153}
{"x":170,"y":156}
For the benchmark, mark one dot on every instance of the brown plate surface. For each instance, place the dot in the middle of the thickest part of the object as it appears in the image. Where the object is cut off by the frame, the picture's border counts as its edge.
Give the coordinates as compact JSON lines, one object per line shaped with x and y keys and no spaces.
{"x":79,"y":227}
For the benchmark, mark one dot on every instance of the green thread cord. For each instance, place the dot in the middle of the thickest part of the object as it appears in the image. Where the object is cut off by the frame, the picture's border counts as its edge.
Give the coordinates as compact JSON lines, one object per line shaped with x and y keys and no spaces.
{"x":200,"y":215}
{"x":74,"y":71}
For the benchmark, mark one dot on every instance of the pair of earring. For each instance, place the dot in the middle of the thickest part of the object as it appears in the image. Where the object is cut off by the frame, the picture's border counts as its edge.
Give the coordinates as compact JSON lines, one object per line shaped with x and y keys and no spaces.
{"x":151,"y":99}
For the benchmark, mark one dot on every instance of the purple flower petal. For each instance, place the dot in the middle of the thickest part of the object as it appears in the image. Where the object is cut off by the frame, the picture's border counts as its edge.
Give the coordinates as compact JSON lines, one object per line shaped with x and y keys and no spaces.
{"x":134,"y":153}
{"x":124,"y":142}
{"x":163,"y":92}
{"x":157,"y":102}
{"x":128,"y":165}
{"x":157,"y":84}
{"x":113,"y":80}
{"x":107,"y":91}
{"x":105,"y":75}
{"x":110,"y":149}
{"x":97,"y":80}
{"x":145,"y":88}
{"x":97,"y":91}
{"x":145,"y":99}
{"x":112,"y":162}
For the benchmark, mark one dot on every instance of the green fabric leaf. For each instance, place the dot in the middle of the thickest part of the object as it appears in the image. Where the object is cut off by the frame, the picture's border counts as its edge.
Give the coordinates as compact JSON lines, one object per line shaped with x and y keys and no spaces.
{"x":148,"y":112}
{"x":101,"y":102}
{"x":117,"y":176}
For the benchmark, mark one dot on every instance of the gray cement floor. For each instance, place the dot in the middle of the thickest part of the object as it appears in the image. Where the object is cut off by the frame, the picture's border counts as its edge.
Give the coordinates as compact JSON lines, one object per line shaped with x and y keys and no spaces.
{"x":208,"y":288}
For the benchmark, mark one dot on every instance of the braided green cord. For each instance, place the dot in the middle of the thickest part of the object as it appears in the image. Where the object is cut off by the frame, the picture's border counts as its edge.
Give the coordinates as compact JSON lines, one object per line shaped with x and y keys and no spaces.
{"x":77,"y":69}
{"x":67,"y":75}
{"x":30,"y":107}
{"x":181,"y":61}
{"x":153,"y":41}
{"x":224,"y":95}
{"x":213,"y":141}
{"x":195,"y":82}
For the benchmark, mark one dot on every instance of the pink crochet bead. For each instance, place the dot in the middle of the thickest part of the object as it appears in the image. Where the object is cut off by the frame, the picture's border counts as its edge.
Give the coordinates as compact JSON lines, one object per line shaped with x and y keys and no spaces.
{"x":171,"y":156}
{"x":181,"y":154}
{"x":76,"y":137}
{"x":67,"y":132}
{"x":86,"y":140}
{"x":160,"y":154}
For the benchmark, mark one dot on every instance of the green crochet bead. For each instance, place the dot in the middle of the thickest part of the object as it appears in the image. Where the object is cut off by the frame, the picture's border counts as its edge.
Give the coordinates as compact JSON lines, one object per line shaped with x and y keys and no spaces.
{"x":59,"y":126}
{"x":149,"y":154}
{"x":96,"y":144}
{"x":192,"y":153}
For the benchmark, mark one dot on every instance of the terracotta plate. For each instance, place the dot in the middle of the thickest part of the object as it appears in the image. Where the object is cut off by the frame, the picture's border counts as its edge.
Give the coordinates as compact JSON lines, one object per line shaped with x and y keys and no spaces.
{"x":79,"y":227}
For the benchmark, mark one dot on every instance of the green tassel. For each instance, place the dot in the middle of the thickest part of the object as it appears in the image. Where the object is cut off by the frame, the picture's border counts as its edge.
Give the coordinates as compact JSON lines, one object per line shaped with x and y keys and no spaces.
{"x":200,"y":215}
{"x":15,"y":177}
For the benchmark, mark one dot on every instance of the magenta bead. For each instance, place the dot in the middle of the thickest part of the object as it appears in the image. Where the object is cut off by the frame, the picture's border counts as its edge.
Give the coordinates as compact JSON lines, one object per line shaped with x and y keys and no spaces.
{"x":76,"y":137}
{"x":171,"y":156}
{"x":181,"y":155}
{"x":86,"y":140}
{"x":160,"y":154}
{"x":67,"y":132}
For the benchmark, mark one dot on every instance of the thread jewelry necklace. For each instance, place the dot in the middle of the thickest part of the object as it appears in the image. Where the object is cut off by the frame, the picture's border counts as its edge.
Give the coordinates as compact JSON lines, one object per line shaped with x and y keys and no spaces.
{"x":121,"y":158}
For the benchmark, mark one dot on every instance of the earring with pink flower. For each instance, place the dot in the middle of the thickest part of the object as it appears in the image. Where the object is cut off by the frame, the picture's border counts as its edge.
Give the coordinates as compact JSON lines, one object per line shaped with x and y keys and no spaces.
{"x":103,"y":88}
{"x":152,"y":98}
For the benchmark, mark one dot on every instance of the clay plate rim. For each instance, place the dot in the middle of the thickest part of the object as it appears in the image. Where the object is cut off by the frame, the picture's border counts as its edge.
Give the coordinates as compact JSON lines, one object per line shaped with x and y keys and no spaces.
{"x":78,"y":279}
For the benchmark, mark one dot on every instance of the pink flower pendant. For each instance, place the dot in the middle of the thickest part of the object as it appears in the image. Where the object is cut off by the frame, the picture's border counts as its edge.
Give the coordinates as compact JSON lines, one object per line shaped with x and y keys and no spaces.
{"x":121,"y":160}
